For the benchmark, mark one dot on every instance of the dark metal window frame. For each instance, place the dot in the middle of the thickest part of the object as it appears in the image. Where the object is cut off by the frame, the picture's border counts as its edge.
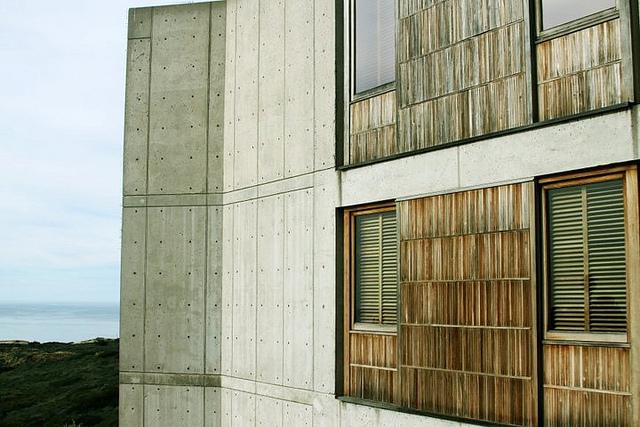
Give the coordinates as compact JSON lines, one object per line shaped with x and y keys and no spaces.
{"x":572,"y":26}
{"x":372,"y":92}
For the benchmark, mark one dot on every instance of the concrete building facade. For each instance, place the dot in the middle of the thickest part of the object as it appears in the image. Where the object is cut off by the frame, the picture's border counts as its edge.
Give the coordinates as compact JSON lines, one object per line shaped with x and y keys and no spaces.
{"x":244,"y":151}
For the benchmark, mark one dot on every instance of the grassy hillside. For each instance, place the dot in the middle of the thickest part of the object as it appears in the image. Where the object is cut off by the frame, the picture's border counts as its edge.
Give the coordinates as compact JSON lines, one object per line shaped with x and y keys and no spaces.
{"x":55,"y":384}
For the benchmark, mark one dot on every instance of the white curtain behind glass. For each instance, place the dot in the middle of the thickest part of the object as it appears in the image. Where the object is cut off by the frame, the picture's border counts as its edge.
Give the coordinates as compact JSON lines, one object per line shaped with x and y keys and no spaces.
{"x":556,"y":12}
{"x":375,"y":48}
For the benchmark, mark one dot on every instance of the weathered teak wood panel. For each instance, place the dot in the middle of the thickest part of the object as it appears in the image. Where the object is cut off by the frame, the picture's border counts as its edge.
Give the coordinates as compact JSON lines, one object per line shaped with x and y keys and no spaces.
{"x":373,"y":128}
{"x":373,"y":371}
{"x":586,"y":386}
{"x":580,"y":71}
{"x":455,"y":80}
{"x":467,"y":332}
{"x":370,"y":355}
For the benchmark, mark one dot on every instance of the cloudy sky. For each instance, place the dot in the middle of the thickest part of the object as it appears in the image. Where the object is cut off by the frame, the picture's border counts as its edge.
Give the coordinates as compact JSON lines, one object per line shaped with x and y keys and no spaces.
{"x":61,"y":120}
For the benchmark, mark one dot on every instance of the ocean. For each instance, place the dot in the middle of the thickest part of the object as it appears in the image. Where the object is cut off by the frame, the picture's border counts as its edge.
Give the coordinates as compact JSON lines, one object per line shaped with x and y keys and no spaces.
{"x":58,"y":322}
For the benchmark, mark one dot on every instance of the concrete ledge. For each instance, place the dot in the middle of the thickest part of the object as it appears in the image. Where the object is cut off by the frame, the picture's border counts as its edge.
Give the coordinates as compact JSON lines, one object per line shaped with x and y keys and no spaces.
{"x":202,"y":380}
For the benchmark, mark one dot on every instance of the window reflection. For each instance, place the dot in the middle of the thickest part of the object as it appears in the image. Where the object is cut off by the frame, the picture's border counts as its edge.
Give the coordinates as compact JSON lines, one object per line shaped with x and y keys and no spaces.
{"x":557,"y":12}
{"x":374,"y":43}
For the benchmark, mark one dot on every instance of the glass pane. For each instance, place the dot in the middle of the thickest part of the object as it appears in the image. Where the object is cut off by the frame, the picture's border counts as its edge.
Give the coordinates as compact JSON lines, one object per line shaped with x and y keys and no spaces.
{"x":375,"y":47}
{"x":556,"y":12}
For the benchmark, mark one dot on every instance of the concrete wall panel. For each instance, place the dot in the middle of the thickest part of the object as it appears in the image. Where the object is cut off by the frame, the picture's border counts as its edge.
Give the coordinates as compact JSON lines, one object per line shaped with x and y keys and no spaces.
{"x":591,"y":142}
{"x":326,"y":197}
{"x":243,"y":409}
{"x":217,"y":53}
{"x":212,"y":407}
{"x":268,"y":412}
{"x":324,"y":57}
{"x":270,"y":289}
{"x":136,"y":121}
{"x":175,"y":284}
{"x":272,"y":101}
{"x":244,"y":289}
{"x":226,"y":322}
{"x":246,"y":97}
{"x":130,"y":405}
{"x":139,"y":22}
{"x":365,"y":416}
{"x":297,"y":414}
{"x":213,"y":309}
{"x":229,"y":96}
{"x":173,"y":406}
{"x":132,"y":285}
{"x":298,"y":289}
{"x":431,"y":172}
{"x":178,"y":110}
{"x":299,"y":86}
{"x":326,"y":411}
{"x":226,"y":400}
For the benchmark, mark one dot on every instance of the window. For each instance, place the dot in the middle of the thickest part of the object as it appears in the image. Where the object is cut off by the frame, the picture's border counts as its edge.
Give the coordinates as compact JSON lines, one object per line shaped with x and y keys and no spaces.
{"x":373,"y":270}
{"x":374,"y":33}
{"x":558,"y":12}
{"x":586,"y":257}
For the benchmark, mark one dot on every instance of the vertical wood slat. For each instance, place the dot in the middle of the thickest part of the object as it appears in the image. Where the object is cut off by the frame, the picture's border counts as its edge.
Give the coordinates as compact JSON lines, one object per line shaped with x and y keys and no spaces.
{"x":580,"y":71}
{"x":373,"y":373}
{"x":451,"y":65}
{"x":467,"y":324}
{"x":373,"y":128}
{"x":587,"y":386}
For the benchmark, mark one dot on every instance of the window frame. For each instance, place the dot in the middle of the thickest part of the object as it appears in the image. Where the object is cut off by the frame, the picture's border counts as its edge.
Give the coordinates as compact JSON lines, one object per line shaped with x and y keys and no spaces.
{"x":374,"y":91}
{"x":350,"y":215}
{"x":628,"y":175}
{"x":578,"y":24}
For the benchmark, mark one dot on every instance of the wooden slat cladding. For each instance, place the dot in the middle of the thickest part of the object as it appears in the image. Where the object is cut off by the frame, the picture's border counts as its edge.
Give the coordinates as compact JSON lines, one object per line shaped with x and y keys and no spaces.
{"x":582,"y":367}
{"x":373,"y":128}
{"x":422,"y":348}
{"x":571,"y":408}
{"x":431,"y":25}
{"x":505,"y":303}
{"x":501,"y":400}
{"x":373,"y":384}
{"x":496,"y":106}
{"x":590,"y":48}
{"x":466,"y":334}
{"x":455,"y":82}
{"x":484,"y":210}
{"x":487,"y":256}
{"x":374,"y":350}
{"x":373,"y":368}
{"x":586,"y":386}
{"x":472,"y":62}
{"x":581,"y":71}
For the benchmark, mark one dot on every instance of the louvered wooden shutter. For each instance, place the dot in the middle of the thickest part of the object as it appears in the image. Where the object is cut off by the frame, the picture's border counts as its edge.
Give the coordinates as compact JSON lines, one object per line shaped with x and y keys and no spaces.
{"x":607,"y":262}
{"x":376,"y":268}
{"x":587,"y":289}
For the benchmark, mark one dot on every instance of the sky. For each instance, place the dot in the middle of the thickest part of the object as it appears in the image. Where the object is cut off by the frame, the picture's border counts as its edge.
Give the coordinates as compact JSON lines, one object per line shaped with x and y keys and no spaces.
{"x":62,"y":80}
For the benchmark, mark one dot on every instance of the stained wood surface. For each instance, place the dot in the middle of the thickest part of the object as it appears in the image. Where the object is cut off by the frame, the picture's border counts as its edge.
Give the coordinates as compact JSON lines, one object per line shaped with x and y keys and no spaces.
{"x":455,"y":80}
{"x":467,"y":335}
{"x":586,"y":386}
{"x":373,"y":368}
{"x":580,"y":71}
{"x":373,"y":128}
